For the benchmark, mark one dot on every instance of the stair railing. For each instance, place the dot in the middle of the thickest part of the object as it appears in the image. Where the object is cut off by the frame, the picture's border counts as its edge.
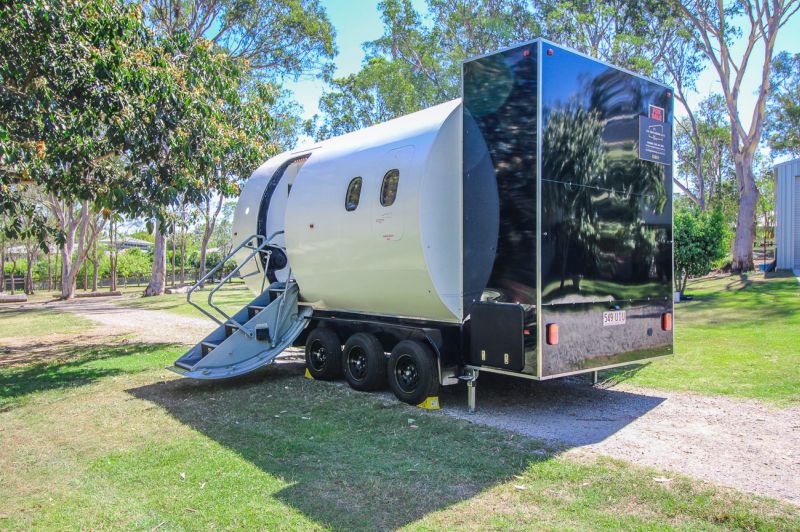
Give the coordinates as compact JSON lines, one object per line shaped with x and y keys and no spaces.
{"x":257,"y":249}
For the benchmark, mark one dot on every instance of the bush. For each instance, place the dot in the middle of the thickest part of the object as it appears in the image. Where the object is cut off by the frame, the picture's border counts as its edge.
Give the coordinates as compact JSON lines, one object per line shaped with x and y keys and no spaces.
{"x":701,"y":239}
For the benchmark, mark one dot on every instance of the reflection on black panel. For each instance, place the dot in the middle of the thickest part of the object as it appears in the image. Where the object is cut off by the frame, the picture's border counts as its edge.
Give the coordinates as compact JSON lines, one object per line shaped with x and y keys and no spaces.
{"x":606,"y":214}
{"x":500,"y":94}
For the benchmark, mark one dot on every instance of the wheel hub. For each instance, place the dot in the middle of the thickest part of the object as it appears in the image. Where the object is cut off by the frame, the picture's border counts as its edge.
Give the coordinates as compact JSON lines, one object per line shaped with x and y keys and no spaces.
{"x":357,"y":360}
{"x":407,"y":374}
{"x":318,"y":356}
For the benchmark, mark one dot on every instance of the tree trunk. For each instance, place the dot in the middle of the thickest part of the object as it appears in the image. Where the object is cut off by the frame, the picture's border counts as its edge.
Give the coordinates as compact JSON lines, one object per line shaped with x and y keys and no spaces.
{"x":49,"y":271}
{"x":13,"y":268}
{"x":158,"y":277}
{"x":183,"y":257}
{"x":72,"y":227}
{"x":112,"y":256}
{"x":746,"y":217}
{"x":173,"y":254}
{"x":95,"y":266}
{"x":85,"y":275}
{"x":208,"y":230}
{"x":68,"y":273}
{"x":2,"y":267}
{"x":29,"y":274}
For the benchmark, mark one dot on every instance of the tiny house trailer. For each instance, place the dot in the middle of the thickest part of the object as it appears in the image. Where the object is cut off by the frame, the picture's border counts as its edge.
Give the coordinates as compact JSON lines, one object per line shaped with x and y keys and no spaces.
{"x":524,"y":229}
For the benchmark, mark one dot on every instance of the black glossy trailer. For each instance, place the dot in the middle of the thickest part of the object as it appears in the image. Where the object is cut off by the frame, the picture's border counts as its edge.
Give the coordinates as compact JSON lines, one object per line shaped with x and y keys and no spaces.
{"x":581,"y":277}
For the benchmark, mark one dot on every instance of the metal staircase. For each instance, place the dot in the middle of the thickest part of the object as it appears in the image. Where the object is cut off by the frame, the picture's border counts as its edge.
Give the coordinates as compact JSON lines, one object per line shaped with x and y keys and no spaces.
{"x":256,"y":334}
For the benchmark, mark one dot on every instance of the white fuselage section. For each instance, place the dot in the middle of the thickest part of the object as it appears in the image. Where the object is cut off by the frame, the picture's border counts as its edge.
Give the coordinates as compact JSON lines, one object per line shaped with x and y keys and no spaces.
{"x":403,"y":259}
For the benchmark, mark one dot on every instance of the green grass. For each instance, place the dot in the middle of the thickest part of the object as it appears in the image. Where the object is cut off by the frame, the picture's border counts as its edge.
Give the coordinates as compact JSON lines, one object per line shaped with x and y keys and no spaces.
{"x":16,"y":322}
{"x":108,"y":439}
{"x":230,"y":299}
{"x":740,"y":336}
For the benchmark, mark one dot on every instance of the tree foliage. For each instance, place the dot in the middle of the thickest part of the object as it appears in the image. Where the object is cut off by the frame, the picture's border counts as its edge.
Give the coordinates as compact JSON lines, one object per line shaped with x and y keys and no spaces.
{"x":64,"y":94}
{"x":416,"y":63}
{"x":276,"y":38}
{"x":701,"y":239}
{"x":107,"y":117}
{"x":783,"y":106}
{"x":712,"y":25}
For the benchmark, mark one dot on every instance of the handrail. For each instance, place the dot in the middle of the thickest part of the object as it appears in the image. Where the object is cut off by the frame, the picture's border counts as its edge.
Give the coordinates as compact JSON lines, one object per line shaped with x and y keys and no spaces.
{"x":278,"y":315}
{"x":244,"y":243}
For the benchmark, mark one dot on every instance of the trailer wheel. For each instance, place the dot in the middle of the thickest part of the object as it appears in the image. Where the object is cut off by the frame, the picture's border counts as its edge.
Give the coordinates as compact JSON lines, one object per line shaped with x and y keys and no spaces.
{"x":323,"y":354}
{"x":364,"y":362}
{"x":413,"y":376}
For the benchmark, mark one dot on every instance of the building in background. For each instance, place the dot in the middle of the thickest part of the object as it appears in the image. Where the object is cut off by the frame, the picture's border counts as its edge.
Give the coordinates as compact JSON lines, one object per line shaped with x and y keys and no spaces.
{"x":787,"y":207}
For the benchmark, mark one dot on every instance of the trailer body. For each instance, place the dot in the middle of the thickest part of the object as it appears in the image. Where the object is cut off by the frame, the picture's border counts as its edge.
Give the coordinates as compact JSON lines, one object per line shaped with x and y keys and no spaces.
{"x":524,"y":228}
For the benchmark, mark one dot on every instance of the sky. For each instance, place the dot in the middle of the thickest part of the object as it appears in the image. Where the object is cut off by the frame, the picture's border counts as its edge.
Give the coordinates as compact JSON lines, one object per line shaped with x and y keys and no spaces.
{"x":358,"y":21}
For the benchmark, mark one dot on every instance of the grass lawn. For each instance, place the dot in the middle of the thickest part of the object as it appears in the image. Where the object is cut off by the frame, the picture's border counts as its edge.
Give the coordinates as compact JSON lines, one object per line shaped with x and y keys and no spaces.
{"x":231,"y":298}
{"x":740,"y":336}
{"x":105,"y":438}
{"x":15,"y":323}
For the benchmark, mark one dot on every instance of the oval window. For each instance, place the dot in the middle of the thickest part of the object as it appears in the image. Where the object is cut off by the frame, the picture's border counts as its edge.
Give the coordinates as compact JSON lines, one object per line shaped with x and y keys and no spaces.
{"x":389,"y":187}
{"x":353,"y":194}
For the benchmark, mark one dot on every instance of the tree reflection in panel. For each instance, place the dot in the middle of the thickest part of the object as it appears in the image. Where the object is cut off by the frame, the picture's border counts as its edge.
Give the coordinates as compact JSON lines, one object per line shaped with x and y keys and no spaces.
{"x":606,"y":214}
{"x":500,"y":94}
{"x":606,"y":242}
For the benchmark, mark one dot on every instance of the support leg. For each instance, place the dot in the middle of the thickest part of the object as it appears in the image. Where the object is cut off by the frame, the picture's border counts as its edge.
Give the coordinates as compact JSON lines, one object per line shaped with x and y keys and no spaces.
{"x":594,"y":378}
{"x":471,"y":391}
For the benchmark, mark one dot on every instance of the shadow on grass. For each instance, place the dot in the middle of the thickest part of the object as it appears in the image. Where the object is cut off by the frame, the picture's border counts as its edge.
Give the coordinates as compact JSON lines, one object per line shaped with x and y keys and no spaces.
{"x":354,"y":462}
{"x":349,"y":462}
{"x":72,"y":367}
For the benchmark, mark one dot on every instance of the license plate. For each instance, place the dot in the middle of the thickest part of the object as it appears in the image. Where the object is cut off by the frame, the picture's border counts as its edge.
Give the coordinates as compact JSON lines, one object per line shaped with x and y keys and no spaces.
{"x":613,"y":317}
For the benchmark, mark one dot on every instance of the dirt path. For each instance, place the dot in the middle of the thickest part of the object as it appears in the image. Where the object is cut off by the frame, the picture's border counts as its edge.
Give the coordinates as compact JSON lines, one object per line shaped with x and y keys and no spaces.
{"x":154,"y":326}
{"x":743,"y":444}
{"x":739,"y":443}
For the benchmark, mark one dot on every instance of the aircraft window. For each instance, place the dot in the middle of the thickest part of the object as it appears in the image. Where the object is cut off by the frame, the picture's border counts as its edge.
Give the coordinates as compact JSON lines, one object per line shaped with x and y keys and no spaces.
{"x":353,"y":194}
{"x":389,"y":187}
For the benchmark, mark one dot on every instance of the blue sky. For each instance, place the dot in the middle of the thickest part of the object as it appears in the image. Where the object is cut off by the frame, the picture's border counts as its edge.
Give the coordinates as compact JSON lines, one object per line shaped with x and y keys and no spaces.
{"x":358,"y":21}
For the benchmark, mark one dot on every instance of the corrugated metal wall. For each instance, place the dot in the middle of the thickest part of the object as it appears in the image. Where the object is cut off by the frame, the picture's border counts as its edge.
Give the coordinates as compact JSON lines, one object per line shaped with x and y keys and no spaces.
{"x":787,"y":206}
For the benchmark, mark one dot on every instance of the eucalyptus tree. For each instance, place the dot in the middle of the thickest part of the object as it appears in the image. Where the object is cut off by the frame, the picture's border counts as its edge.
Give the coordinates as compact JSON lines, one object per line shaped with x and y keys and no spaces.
{"x":417,"y":61}
{"x":277,"y":38}
{"x":783,"y":106}
{"x":704,"y":162}
{"x":633,"y":34}
{"x":712,"y":25}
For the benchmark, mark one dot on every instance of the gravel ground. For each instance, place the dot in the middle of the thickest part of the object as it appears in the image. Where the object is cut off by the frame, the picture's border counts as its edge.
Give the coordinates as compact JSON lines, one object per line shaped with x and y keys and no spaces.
{"x":743,"y":444}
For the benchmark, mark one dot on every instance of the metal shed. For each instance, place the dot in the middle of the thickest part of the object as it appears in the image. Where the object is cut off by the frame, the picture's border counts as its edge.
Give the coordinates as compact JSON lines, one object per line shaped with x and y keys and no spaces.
{"x":787,"y":206}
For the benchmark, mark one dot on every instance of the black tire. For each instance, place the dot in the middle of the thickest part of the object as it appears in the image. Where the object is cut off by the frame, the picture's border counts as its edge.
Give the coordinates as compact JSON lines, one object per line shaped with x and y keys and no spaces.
{"x":413,"y":374}
{"x":364,"y":362}
{"x":323,"y":354}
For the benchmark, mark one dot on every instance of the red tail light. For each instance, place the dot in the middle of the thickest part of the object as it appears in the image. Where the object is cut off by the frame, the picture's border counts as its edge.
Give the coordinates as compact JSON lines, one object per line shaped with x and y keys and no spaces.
{"x":552,"y":333}
{"x":666,"y":321}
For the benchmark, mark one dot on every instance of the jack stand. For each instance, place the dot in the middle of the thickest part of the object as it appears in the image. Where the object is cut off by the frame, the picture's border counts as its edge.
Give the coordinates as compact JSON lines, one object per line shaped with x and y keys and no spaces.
{"x":471,"y":376}
{"x":594,"y":378}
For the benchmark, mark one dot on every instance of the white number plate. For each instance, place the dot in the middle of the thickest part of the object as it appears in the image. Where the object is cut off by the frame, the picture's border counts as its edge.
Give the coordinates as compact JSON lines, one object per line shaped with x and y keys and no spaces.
{"x":613,"y":317}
